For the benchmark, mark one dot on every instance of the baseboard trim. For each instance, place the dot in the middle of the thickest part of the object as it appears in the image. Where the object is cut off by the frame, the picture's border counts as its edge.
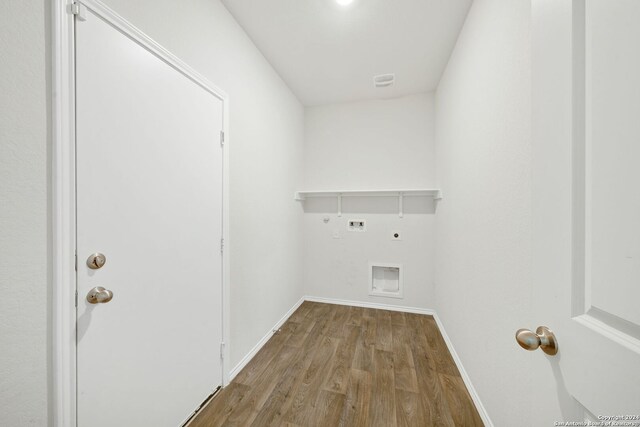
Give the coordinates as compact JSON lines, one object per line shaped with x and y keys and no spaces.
{"x":463,"y":373}
{"x":404,"y":309}
{"x":247,"y":358}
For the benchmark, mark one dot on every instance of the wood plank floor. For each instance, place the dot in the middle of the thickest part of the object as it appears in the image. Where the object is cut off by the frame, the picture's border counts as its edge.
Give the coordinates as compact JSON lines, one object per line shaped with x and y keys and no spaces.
{"x":333,"y":365}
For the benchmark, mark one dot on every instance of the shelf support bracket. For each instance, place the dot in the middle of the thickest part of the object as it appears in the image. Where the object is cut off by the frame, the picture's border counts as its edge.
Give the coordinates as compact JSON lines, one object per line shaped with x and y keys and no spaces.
{"x":401,"y":204}
{"x":339,"y":204}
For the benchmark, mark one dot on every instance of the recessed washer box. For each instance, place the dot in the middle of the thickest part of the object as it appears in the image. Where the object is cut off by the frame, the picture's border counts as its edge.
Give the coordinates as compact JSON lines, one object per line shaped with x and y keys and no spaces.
{"x":385,"y":279}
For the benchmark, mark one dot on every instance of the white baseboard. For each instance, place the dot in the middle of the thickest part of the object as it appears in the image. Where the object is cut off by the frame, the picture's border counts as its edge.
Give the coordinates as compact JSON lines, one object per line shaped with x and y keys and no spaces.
{"x":463,"y":373}
{"x":465,"y":377}
{"x":246,"y":359}
{"x":415,"y":310}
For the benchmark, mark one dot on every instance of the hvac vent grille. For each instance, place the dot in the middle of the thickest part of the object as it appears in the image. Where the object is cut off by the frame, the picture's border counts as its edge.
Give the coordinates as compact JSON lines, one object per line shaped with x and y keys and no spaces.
{"x":384,"y":80}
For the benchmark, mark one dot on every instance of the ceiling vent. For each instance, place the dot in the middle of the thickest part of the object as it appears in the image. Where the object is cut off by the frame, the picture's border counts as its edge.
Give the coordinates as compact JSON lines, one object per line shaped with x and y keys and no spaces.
{"x":384,"y":80}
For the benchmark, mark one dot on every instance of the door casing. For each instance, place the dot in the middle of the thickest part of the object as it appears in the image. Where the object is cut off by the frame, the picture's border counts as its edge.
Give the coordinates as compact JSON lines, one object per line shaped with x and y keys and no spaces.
{"x":63,"y":220}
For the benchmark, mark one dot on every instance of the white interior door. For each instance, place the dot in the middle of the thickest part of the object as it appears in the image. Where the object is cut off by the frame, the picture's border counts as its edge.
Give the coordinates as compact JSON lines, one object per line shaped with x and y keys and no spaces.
{"x":586,"y":139}
{"x":149,"y":197}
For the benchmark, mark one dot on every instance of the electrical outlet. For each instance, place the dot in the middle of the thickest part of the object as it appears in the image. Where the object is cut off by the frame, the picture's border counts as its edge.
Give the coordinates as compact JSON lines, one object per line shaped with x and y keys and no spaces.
{"x":396,"y":235}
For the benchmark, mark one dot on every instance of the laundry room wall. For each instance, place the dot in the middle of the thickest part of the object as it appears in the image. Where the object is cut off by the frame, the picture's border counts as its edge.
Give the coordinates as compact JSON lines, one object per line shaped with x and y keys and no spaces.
{"x":369,"y":145}
{"x":483,"y":143}
{"x":24,"y":244}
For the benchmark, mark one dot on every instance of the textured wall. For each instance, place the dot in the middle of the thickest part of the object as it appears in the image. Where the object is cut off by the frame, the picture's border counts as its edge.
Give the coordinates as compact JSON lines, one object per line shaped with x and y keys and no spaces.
{"x":23,"y":215}
{"x":483,"y":263}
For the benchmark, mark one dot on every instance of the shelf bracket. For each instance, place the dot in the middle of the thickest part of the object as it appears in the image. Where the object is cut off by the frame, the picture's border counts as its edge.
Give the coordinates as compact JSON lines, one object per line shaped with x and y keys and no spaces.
{"x":400,"y":204}
{"x":339,"y":204}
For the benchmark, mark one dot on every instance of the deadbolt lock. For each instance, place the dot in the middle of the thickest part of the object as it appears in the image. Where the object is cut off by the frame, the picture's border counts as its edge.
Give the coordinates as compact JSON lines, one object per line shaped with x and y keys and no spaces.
{"x":96,"y":261}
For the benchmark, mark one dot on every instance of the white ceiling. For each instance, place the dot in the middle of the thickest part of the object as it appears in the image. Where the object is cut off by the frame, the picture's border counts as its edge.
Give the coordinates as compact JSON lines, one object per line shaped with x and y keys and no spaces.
{"x":329,"y":53}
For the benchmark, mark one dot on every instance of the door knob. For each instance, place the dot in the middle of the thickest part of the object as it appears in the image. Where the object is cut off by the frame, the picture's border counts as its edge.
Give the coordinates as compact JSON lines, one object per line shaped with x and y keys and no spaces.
{"x":96,"y":261}
{"x":99,"y":295}
{"x":543,"y":337}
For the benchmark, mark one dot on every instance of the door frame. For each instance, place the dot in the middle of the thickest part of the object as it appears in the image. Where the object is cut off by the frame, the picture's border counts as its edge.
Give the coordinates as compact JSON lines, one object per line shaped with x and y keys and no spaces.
{"x":63,"y":195}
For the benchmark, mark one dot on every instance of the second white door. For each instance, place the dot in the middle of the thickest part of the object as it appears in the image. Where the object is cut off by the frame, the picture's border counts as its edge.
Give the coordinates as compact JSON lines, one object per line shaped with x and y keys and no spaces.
{"x":586,"y":252}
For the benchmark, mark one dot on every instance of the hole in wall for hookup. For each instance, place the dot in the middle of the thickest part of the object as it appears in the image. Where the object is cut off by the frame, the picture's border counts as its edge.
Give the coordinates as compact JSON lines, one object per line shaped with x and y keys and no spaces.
{"x":385,"y":279}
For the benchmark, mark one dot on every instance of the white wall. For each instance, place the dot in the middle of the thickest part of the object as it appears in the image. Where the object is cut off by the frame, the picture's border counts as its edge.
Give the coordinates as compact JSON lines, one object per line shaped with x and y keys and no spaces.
{"x":383,"y":144}
{"x":483,"y":276}
{"x":266,"y":134}
{"x":23,"y":215}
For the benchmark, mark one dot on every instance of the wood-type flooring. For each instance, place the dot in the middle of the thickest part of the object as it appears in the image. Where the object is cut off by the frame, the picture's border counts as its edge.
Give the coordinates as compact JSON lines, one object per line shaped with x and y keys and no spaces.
{"x":335,"y":365}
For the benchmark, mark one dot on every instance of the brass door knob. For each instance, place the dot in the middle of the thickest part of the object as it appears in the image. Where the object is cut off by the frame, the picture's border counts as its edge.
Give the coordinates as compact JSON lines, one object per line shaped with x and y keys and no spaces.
{"x":543,"y":337}
{"x":99,"y":295}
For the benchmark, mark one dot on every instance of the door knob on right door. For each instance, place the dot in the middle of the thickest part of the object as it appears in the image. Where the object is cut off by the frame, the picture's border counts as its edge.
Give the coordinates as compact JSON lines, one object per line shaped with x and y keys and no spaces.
{"x":543,"y":338}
